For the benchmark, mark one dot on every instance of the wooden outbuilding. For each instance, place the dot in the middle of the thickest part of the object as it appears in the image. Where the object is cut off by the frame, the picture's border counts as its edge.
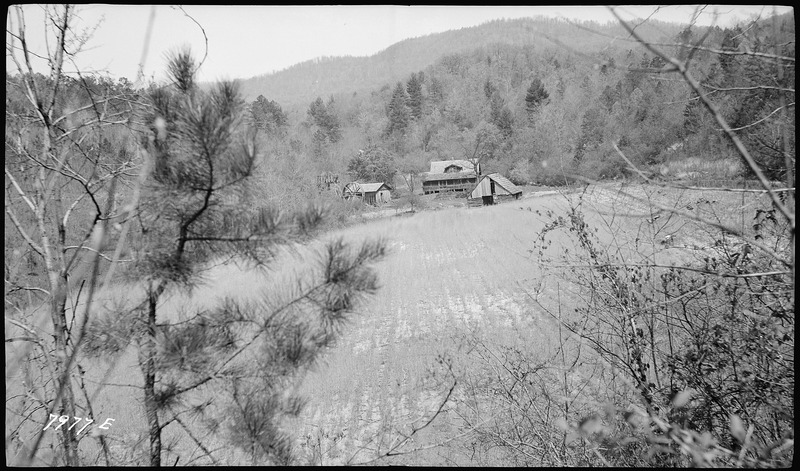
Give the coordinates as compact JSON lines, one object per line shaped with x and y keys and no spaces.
{"x":494,"y":188}
{"x":370,"y":193}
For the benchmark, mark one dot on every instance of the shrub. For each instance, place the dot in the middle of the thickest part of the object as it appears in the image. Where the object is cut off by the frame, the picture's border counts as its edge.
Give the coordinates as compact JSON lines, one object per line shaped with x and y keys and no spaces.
{"x":718,"y":329}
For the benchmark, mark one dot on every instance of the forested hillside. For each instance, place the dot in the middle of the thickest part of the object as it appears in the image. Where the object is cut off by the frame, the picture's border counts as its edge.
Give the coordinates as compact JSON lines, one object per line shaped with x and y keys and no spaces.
{"x":301,"y":83}
{"x":541,"y":101}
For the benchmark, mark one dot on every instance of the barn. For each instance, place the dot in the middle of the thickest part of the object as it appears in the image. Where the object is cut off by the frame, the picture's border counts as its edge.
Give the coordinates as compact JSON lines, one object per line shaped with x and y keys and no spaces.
{"x":370,"y":193}
{"x":494,"y":188}
{"x":450,"y":175}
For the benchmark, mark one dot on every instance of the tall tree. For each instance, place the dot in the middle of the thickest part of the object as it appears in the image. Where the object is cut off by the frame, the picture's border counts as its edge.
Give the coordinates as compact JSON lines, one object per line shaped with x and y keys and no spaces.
{"x":326,"y":120}
{"x":436,"y":90}
{"x":480,"y":144}
{"x":243,"y":357}
{"x":267,"y":115}
{"x":501,"y":116}
{"x":64,"y":159}
{"x":592,"y":131}
{"x":398,"y":111}
{"x":375,"y":164}
{"x":535,"y":96}
{"x":415,"y":98}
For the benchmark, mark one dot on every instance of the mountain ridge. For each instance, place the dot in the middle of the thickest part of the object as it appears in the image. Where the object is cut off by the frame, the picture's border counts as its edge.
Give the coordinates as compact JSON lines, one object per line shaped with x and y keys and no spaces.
{"x":299,"y":84}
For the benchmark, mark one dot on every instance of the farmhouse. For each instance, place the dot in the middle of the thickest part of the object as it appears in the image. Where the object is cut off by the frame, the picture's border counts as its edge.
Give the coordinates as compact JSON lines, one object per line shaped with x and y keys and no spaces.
{"x":494,"y":188}
{"x":370,"y":193}
{"x":450,"y":175}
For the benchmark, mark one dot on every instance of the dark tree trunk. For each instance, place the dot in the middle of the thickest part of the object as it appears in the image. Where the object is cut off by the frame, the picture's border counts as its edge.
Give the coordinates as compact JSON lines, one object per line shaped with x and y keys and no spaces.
{"x":147,"y":364}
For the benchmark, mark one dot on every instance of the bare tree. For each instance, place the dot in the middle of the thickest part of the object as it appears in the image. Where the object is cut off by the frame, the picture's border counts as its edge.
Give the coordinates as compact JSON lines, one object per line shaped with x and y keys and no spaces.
{"x":410,"y":169}
{"x":61,"y":181}
{"x":480,"y":145}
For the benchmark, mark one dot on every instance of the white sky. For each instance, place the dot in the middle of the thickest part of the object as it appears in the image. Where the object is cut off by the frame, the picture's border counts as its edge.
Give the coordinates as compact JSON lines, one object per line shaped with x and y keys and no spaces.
{"x":244,"y":41}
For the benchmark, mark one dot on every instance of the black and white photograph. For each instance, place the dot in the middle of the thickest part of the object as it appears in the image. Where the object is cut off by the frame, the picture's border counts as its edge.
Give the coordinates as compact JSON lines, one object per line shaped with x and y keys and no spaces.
{"x":400,"y":235}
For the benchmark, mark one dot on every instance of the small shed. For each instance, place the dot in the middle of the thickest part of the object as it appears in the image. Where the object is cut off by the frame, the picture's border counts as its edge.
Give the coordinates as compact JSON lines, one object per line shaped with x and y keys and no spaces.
{"x":370,"y":193}
{"x":494,"y":188}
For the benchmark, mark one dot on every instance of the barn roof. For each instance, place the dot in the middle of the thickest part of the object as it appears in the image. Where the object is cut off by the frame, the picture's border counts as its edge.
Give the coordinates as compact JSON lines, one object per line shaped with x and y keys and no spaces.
{"x":371,"y":187}
{"x":439,"y":165}
{"x":504,"y":182}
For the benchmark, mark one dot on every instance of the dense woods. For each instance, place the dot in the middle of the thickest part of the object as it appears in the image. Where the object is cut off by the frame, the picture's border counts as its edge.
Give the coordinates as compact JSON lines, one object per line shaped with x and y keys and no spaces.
{"x":141,"y":189}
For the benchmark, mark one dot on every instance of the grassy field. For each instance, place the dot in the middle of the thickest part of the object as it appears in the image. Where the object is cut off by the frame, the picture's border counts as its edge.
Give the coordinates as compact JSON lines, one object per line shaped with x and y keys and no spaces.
{"x":470,"y":270}
{"x":449,"y":271}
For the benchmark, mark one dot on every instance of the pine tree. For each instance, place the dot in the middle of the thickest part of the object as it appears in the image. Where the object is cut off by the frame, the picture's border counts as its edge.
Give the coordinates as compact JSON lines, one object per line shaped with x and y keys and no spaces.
{"x":324,"y":117}
{"x":267,"y":115}
{"x":436,"y":90}
{"x":243,"y":358}
{"x":399,"y":114}
{"x":489,"y":89}
{"x":415,"y":97}
{"x":535,"y":96}
{"x":501,"y":116}
{"x":592,"y":127}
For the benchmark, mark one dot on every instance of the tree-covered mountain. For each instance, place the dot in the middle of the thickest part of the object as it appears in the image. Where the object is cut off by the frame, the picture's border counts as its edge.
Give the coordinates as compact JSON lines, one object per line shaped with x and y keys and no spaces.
{"x":301,"y":83}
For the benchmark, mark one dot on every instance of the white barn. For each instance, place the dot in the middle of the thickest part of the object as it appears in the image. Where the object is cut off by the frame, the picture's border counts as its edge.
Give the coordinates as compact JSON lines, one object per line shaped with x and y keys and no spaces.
{"x":494,"y":188}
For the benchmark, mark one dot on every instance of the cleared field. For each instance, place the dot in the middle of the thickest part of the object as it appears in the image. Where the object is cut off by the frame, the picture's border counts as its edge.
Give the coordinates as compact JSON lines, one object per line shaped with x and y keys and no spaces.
{"x":449,"y":271}
{"x":457,"y":270}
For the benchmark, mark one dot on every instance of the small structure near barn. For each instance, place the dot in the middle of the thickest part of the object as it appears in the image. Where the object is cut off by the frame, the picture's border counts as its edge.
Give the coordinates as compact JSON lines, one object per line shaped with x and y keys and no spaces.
{"x":493,"y":188}
{"x":450,"y":175}
{"x":328,"y":182}
{"x":370,"y":193}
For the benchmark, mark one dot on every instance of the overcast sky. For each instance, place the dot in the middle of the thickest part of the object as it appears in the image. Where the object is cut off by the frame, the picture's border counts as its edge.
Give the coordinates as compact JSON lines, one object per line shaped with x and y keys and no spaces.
{"x":244,"y":41}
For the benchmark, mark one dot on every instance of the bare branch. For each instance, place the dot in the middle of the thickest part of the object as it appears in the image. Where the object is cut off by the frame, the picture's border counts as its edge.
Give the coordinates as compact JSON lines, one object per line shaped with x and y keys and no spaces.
{"x":718,"y":117}
{"x":19,"y":190}
{"x":103,"y":256}
{"x":36,"y":247}
{"x":205,"y":36}
{"x":779,"y":109}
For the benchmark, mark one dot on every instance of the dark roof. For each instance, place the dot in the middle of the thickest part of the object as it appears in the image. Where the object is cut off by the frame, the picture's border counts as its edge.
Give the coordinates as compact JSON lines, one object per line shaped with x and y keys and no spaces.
{"x":439,"y":166}
{"x":371,"y":187}
{"x":355,"y":187}
{"x":505,"y":183}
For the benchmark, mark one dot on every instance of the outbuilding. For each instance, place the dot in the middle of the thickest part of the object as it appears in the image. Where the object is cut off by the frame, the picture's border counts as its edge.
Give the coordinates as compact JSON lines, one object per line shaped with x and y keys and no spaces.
{"x":370,"y":193}
{"x":494,"y":188}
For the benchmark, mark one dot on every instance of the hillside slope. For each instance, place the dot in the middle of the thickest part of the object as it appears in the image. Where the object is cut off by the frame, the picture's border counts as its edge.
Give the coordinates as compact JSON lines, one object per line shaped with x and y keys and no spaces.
{"x":301,"y":83}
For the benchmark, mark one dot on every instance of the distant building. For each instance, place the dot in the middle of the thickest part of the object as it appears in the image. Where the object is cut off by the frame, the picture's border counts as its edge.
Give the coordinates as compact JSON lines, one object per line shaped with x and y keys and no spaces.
{"x":370,"y":193}
{"x":450,"y":175}
{"x":493,"y":188}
